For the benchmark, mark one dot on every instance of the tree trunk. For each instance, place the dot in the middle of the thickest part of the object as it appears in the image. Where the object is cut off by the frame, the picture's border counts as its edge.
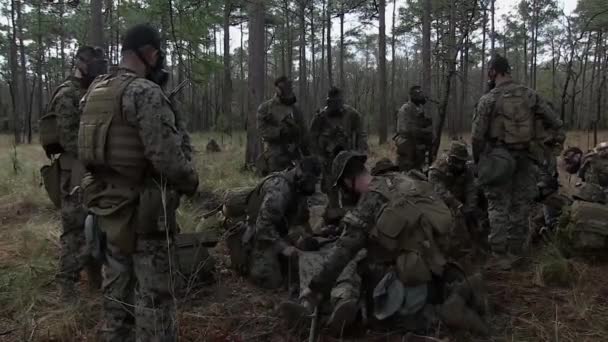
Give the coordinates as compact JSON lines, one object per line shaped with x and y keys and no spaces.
{"x":97,"y":23}
{"x":227,"y":68}
{"x":24,"y":96}
{"x":525,"y":34}
{"x":243,"y":86}
{"x":302,"y":67}
{"x":313,"y":63}
{"x":484,"y":26}
{"x":330,"y":76}
{"x":14,"y":85}
{"x":382,"y":122}
{"x":289,"y":41}
{"x":493,"y":32}
{"x":393,"y":106}
{"x":341,"y":62}
{"x":256,"y":76}
{"x":426,"y":47}
{"x":322,"y":66}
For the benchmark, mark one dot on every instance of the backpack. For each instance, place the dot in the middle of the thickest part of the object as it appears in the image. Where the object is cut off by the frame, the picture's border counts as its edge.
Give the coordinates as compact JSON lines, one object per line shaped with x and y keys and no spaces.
{"x":587,"y":228}
{"x":514,"y":122}
{"x":413,"y":227}
{"x":49,"y":129}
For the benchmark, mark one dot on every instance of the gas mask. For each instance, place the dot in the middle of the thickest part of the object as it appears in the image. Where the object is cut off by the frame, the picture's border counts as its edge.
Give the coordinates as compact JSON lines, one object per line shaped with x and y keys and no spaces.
{"x":157,"y":73}
{"x":334,"y":105}
{"x":418,"y":98}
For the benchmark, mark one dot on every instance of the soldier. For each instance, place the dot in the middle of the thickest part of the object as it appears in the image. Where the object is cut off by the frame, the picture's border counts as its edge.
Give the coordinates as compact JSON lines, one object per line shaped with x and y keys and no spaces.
{"x":502,"y":134}
{"x":594,"y":167}
{"x":404,"y":268}
{"x":282,"y":128}
{"x":336,"y":128}
{"x":414,"y":138}
{"x":277,"y":219}
{"x":138,"y":160}
{"x":63,"y":110}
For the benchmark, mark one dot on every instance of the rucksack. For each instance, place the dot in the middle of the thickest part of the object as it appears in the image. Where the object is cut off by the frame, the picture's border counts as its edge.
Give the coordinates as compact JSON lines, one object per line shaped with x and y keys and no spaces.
{"x":413,"y":227}
{"x":49,"y":129}
{"x":586,"y":231}
{"x":514,"y":121}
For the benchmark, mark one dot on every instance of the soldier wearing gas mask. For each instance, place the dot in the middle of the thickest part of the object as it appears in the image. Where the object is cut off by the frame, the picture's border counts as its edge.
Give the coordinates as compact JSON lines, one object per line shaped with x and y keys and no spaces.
{"x":138,"y":165}
{"x":59,"y":136}
{"x":414,"y":138}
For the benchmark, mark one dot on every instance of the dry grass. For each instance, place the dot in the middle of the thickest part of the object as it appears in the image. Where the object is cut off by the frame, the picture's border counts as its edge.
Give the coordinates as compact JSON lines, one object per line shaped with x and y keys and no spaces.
{"x":526,"y":308}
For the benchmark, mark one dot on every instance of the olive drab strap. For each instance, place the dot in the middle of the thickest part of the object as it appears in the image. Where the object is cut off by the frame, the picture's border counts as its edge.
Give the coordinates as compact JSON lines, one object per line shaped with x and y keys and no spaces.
{"x":513,"y":121}
{"x":105,"y":138}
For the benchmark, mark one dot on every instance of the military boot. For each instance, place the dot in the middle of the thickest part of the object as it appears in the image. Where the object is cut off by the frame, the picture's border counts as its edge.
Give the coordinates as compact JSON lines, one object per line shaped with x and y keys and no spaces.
{"x":94,"y":276}
{"x":456,"y":314}
{"x":343,"y":316}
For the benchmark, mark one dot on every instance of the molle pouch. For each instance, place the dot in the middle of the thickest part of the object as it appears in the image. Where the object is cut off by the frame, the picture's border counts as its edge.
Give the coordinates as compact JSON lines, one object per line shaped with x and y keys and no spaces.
{"x":154,"y":213}
{"x":412,"y":269}
{"x":52,"y":182}
{"x":49,"y":134}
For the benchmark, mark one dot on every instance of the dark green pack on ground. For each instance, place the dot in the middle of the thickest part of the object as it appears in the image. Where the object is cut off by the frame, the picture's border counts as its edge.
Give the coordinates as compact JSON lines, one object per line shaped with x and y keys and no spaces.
{"x":584,"y":229}
{"x":195,"y":264}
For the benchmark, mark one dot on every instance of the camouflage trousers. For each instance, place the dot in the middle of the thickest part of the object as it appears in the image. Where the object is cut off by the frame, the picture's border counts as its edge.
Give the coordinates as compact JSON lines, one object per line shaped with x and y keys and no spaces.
{"x":138,"y":293}
{"x":411,"y":156}
{"x":73,"y":257}
{"x":509,"y":206}
{"x":269,"y":269}
{"x":278,"y":157}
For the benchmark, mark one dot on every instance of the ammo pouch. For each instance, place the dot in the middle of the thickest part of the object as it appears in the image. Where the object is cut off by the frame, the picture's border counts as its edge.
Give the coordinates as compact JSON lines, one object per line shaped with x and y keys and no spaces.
{"x":495,"y":167}
{"x":195,"y":264}
{"x":240,"y":244}
{"x":51,"y":179}
{"x":95,"y":239}
{"x":154,"y":216}
{"x":49,"y":134}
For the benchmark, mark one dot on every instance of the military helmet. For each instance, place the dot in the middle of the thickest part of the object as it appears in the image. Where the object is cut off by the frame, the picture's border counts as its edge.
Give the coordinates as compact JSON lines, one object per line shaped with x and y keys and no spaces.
{"x":458,"y":150}
{"x":384,"y":165}
{"x":339,"y":164}
{"x":590,"y":192}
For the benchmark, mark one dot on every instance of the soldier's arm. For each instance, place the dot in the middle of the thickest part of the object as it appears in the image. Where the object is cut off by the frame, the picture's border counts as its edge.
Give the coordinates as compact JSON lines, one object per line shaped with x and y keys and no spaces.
{"x":356,"y":224}
{"x":359,"y":131}
{"x":437,"y":178}
{"x":66,"y":106}
{"x":146,"y":107}
{"x":272,"y":212}
{"x":481,"y":125}
{"x":267,"y":126}
{"x":541,"y":108}
{"x":402,"y":120}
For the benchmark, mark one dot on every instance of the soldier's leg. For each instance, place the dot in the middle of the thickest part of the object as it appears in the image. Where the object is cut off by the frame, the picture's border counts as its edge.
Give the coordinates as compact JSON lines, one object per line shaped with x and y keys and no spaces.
{"x":523,"y":193}
{"x":118,"y":293}
{"x":265,"y":267}
{"x":155,"y":307}
{"x":344,"y":298}
{"x":72,"y":257}
{"x":499,"y":199}
{"x":406,"y":155}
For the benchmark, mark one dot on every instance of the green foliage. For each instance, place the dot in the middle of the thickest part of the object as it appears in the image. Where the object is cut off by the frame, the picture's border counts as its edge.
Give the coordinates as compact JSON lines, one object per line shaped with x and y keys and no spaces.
{"x":595,"y":11}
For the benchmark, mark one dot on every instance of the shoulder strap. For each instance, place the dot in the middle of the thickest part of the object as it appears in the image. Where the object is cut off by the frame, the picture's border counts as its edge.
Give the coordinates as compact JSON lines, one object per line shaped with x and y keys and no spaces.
{"x":119,"y":92}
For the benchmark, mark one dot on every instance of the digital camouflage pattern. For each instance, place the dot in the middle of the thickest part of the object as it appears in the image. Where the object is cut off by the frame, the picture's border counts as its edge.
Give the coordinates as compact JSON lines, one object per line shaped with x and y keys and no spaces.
{"x":280,"y":220}
{"x":509,"y":203}
{"x":594,"y":168}
{"x":139,"y":275}
{"x":73,"y":257}
{"x":414,"y":137}
{"x":284,"y":133}
{"x":456,"y":188}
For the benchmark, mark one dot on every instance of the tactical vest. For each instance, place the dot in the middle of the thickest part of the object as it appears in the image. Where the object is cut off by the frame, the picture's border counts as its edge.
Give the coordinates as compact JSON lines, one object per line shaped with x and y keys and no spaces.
{"x":48,"y":127}
{"x":411,"y":227}
{"x":105,"y":139}
{"x":337,"y":133}
{"x":513,"y":122}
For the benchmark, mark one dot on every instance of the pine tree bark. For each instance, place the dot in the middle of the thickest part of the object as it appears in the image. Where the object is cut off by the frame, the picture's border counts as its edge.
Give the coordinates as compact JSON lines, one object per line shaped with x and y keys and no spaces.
{"x":382,"y":87}
{"x":227,"y":98}
{"x":97,"y":23}
{"x":24,"y":95}
{"x":14,"y":85}
{"x":426,"y":47}
{"x":302,"y":63}
{"x":256,"y":76}
{"x":393,"y":106}
{"x":342,"y":50}
{"x":330,"y":75}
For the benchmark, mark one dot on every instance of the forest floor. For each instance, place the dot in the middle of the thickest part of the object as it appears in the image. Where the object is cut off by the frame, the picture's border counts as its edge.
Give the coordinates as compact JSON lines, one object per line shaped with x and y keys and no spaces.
{"x":524,"y":307}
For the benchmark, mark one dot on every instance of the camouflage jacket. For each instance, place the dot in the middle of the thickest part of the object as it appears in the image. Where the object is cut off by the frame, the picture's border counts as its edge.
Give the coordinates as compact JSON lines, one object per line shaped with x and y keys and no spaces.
{"x":356,"y":226}
{"x":454,"y":189}
{"x":484,"y":112}
{"x":413,"y":122}
{"x":282,"y":125}
{"x":333,"y":133}
{"x":594,"y":169}
{"x":275,"y":208}
{"x":166,"y":143}
{"x":65,"y":104}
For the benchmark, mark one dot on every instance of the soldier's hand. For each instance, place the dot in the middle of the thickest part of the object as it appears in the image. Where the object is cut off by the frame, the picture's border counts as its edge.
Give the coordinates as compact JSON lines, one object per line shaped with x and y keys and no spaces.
{"x":310,"y":299}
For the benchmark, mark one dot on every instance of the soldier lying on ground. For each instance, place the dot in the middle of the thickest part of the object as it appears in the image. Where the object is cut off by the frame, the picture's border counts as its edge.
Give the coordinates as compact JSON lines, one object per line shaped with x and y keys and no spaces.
{"x":396,"y":235}
{"x":262,"y":245}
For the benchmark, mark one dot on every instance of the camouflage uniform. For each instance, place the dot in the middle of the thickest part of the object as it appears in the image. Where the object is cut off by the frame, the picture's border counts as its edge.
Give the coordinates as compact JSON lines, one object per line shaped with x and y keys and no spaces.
{"x":145,"y":131}
{"x":73,"y":257}
{"x":284,"y":133}
{"x":594,"y":167}
{"x":280,"y":217}
{"x":332,"y":133}
{"x":510,"y":201}
{"x":414,"y":137}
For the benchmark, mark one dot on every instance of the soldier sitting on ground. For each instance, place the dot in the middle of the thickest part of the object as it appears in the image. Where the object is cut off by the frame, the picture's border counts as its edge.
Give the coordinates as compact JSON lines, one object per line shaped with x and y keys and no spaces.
{"x":276,"y":224}
{"x":397,"y":230}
